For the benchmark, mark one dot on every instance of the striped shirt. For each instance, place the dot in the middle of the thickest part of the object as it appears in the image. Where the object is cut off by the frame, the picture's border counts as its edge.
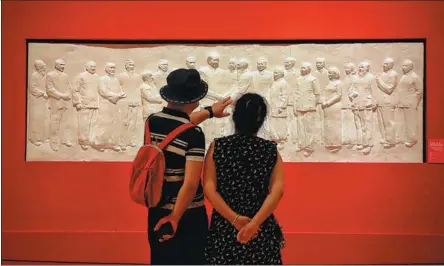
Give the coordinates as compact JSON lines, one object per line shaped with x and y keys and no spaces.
{"x":187,"y":146}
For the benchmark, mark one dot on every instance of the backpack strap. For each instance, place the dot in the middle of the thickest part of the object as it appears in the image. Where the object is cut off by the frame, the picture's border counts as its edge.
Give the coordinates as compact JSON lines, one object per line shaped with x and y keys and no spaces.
{"x":147,"y":133}
{"x":174,"y":134}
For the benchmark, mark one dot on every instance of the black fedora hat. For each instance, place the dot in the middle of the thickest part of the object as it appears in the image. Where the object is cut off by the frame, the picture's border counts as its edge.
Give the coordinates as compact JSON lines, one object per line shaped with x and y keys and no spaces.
{"x":184,"y":86}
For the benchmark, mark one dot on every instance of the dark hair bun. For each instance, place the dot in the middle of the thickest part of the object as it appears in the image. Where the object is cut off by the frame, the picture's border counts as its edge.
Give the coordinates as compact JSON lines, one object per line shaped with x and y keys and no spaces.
{"x":249,"y":113}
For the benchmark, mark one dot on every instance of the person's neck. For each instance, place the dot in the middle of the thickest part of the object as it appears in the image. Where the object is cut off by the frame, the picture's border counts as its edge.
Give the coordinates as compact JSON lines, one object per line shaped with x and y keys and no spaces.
{"x":240,"y":133}
{"x":178,"y":108}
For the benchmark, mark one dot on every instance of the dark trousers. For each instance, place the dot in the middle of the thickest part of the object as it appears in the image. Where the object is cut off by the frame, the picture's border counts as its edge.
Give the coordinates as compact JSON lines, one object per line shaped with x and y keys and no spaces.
{"x":188,"y":244}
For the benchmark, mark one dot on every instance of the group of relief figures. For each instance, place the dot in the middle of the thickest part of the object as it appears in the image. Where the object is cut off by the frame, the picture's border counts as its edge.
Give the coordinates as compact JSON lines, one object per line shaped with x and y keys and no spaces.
{"x":307,"y":107}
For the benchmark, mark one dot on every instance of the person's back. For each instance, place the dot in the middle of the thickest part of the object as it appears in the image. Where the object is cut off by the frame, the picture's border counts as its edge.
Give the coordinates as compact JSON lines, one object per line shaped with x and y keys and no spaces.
{"x":190,"y":145}
{"x":243,"y":180}
{"x":244,"y":165}
{"x":182,"y":202}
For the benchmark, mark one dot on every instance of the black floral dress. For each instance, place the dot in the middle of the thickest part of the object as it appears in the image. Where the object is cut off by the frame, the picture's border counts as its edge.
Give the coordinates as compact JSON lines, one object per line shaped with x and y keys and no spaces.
{"x":244,"y":165}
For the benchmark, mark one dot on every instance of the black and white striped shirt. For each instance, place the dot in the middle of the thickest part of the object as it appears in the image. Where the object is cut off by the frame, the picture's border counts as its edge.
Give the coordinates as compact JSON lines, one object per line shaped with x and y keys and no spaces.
{"x":189,"y":145}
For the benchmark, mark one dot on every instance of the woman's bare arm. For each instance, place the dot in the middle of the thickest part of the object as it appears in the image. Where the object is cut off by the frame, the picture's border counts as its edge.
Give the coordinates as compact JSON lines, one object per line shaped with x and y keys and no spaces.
{"x":209,"y":185}
{"x":276,"y":193}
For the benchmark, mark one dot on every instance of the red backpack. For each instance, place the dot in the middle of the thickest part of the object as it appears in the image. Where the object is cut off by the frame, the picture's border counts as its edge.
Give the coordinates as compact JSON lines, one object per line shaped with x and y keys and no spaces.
{"x":148,"y":168}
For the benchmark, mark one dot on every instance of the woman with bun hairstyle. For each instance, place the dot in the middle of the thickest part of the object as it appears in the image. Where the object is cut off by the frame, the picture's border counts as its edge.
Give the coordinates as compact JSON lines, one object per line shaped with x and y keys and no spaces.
{"x":244,"y":181}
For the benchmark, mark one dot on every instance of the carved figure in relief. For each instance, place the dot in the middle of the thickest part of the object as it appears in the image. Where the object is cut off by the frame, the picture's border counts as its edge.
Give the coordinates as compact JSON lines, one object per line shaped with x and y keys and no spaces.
{"x":107,"y":133}
{"x":131,"y":105}
{"x":190,"y":63}
{"x":278,"y":104}
{"x":229,"y":80}
{"x":306,"y":99}
{"x":244,"y":82}
{"x":348,"y":127}
{"x":386,"y":100}
{"x":151,"y":100}
{"x":58,"y":89}
{"x":38,"y":105}
{"x":214,"y":76}
{"x":161,"y":74}
{"x":86,"y":101}
{"x":363,"y":105}
{"x":231,"y":75}
{"x":321,"y":75}
{"x":332,"y":111}
{"x":262,"y":80}
{"x":410,"y":93}
{"x":291,"y":75}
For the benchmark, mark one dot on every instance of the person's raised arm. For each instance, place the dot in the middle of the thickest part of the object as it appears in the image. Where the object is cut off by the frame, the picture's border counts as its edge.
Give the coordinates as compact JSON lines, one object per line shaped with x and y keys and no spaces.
{"x":210,"y":192}
{"x":218,"y":112}
{"x":269,"y":205}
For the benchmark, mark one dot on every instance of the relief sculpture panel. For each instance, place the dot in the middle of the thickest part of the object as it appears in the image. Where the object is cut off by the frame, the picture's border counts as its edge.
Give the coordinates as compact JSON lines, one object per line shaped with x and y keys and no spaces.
{"x":345,"y":102}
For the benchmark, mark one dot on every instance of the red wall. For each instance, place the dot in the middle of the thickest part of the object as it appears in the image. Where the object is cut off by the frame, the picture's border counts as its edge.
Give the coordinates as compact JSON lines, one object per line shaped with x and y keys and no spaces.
{"x":331,"y":213}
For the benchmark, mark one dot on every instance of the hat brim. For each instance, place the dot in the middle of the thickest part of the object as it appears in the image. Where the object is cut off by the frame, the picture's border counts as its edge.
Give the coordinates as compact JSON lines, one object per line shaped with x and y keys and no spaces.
{"x":170,"y":96}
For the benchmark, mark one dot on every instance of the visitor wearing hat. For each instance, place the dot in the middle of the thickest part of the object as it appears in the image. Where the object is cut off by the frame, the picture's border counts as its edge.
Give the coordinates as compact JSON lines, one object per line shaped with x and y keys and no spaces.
{"x":182,"y":201}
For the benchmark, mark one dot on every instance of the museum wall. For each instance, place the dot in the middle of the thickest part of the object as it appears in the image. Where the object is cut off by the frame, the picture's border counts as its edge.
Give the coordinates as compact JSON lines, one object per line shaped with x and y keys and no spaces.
{"x":330,"y":213}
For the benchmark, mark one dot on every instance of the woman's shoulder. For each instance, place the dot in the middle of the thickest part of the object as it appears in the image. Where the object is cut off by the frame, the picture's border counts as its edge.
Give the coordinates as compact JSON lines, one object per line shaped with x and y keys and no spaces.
{"x":224,"y":139}
{"x":267,"y":143}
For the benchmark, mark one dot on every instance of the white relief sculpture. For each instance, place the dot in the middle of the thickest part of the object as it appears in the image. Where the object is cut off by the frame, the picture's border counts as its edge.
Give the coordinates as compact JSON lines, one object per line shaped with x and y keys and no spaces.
{"x":86,"y":101}
{"x":151,"y":100}
{"x":58,"y":89}
{"x":386,"y":102}
{"x":38,"y":102}
{"x":108,"y":131}
{"x":291,"y":76}
{"x":321,"y":75}
{"x":363,"y":105}
{"x":306,"y":99}
{"x":278,"y":104}
{"x":410,"y":92}
{"x":102,"y":111}
{"x":348,"y":128}
{"x":331,"y":104}
{"x":131,"y":105}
